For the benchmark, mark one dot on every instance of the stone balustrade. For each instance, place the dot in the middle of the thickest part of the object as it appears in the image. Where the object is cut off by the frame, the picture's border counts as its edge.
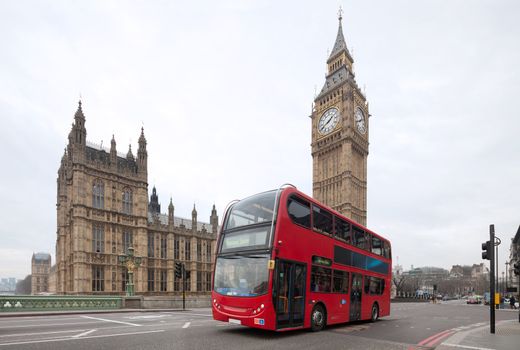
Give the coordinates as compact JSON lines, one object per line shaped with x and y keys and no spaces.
{"x":55,"y":303}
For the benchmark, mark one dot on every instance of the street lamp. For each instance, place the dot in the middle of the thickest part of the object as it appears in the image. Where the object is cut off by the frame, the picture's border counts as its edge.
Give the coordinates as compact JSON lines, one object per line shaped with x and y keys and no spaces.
{"x":131,"y":262}
{"x":507,"y":268}
{"x":496,"y":243}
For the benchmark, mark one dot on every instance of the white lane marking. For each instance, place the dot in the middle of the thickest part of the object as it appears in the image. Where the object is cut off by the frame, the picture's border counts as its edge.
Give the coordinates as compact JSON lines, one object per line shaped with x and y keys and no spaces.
{"x":70,"y":338}
{"x":186,"y":325}
{"x":147,"y":317}
{"x":466,"y":346}
{"x":84,"y":333}
{"x":187,"y":313}
{"x":41,"y":333}
{"x":114,"y":321}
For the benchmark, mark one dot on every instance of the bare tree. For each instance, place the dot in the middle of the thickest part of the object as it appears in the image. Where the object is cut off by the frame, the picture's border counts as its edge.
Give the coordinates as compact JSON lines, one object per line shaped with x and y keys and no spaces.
{"x":399,"y":281}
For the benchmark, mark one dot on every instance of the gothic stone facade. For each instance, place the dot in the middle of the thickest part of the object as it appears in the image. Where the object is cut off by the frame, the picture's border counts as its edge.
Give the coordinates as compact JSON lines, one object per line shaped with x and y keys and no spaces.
{"x":340,"y":137}
{"x":103,"y":209}
{"x":40,"y":270}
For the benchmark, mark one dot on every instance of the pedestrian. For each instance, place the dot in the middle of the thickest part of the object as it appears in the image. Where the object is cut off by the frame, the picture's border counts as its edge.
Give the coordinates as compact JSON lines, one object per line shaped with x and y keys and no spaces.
{"x":512,"y":302}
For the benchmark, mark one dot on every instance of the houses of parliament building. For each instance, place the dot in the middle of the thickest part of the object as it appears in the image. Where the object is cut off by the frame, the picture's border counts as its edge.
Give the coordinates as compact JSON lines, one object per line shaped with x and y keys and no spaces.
{"x":103,"y":209}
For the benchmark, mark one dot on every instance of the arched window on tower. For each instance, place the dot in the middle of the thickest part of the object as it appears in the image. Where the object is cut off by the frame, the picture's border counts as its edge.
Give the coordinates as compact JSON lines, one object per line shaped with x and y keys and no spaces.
{"x":98,"y":194}
{"x":127,"y":201}
{"x":98,"y":239}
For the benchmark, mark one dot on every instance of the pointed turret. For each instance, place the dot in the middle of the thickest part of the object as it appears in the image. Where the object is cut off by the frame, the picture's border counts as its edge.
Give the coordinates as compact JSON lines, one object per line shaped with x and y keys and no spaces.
{"x":170,"y":212}
{"x":142,"y":155}
{"x":154,"y":207}
{"x":113,"y":151}
{"x":77,"y":135}
{"x":194,"y":218}
{"x":79,"y":125}
{"x":130,"y":155}
{"x":213,"y":220}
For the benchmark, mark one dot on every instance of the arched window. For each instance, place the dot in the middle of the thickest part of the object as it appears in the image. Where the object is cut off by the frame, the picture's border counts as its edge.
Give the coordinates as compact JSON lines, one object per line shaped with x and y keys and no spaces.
{"x":98,"y":195}
{"x":98,"y":239}
{"x":127,"y":201}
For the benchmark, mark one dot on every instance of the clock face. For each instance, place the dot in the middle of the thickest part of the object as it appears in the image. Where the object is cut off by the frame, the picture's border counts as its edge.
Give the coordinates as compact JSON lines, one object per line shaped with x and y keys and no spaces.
{"x":359,"y":119}
{"x":328,"y":121}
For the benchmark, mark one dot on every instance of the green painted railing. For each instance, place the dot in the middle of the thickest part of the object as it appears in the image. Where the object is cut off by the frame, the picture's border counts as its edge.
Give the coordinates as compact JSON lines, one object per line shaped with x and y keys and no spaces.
{"x":16,"y":303}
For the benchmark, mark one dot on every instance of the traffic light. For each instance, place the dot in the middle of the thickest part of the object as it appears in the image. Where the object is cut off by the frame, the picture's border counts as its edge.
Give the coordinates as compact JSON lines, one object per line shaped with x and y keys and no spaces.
{"x":487,"y":250}
{"x":188,"y":275}
{"x":178,"y":270}
{"x":517,"y":268}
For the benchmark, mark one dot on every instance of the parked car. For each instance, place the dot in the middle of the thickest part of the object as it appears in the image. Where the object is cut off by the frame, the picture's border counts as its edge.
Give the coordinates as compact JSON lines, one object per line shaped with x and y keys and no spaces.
{"x":474,"y":300}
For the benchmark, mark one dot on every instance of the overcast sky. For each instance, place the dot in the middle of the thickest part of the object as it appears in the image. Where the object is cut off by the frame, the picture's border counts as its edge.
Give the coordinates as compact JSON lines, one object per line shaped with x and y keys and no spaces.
{"x":224,"y":90}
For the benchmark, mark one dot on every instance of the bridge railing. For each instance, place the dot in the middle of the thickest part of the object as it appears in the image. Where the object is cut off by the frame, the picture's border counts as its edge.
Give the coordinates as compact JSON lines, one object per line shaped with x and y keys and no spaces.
{"x":15,"y":303}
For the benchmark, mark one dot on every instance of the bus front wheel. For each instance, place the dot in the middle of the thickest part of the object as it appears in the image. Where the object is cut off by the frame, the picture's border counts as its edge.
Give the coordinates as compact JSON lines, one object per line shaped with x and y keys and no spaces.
{"x":317,"y":318}
{"x":375,"y":313}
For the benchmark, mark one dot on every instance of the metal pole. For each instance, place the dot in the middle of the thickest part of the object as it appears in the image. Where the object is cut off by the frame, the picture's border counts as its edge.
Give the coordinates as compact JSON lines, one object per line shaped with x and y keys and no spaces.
{"x":497,"y":276}
{"x":183,"y":287}
{"x":506,"y":276}
{"x":492,"y":280}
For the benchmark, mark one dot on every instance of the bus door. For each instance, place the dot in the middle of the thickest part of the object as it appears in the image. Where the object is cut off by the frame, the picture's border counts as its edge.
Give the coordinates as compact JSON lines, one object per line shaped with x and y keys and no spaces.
{"x":289,"y":294}
{"x":355,"y":296}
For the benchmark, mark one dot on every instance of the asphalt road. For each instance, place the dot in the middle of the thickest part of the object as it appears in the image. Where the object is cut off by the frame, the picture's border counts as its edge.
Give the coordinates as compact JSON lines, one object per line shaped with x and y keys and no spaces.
{"x":410,"y":326}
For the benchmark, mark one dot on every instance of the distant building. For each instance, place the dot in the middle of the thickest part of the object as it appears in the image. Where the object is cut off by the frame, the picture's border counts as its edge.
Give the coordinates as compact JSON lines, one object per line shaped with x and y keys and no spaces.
{"x":103,"y":209}
{"x":7,"y":285}
{"x":479,"y":271}
{"x":468,"y":272}
{"x":40,"y":269}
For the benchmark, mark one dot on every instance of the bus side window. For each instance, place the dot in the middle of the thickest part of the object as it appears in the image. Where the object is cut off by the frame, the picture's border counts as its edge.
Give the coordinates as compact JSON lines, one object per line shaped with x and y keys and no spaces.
{"x":377,"y":246}
{"x":321,"y":279}
{"x":367,"y":284}
{"x":321,"y":220}
{"x":386,"y":250}
{"x":299,"y":211}
{"x":359,"y":237}
{"x":340,"y":281}
{"x":342,"y":230}
{"x":374,"y":285}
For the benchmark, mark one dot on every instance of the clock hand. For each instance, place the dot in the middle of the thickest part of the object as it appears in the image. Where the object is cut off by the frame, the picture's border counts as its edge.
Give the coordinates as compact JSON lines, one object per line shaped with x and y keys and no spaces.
{"x":328,"y":120}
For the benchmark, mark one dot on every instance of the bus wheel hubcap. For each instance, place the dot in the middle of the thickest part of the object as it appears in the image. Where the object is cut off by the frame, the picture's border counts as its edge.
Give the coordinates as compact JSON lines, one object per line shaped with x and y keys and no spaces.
{"x":318,"y":318}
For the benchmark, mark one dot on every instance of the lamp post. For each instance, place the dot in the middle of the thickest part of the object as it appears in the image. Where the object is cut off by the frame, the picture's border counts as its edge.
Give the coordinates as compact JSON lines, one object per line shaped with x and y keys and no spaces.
{"x":507,"y":267}
{"x":131,"y":262}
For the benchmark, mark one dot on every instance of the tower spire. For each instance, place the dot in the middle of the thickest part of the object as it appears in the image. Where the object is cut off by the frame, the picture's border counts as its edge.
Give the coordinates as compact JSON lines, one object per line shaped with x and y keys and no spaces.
{"x":340,"y":45}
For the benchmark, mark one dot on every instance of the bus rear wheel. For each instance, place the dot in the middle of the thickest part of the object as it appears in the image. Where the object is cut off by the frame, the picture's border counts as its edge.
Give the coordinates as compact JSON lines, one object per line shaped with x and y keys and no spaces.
{"x":317,"y":318}
{"x":375,"y":313}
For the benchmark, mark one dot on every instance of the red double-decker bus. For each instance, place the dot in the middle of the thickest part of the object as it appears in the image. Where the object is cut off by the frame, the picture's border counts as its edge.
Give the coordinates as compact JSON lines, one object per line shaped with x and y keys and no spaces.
{"x":285,"y":261}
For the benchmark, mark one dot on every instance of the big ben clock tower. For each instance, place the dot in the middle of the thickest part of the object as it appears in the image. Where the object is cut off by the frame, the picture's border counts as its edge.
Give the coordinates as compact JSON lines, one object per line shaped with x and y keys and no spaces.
{"x":340,"y":137}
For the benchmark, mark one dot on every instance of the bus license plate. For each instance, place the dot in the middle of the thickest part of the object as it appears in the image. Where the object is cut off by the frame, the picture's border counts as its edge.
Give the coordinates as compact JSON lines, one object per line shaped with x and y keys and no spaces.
{"x":234,"y":321}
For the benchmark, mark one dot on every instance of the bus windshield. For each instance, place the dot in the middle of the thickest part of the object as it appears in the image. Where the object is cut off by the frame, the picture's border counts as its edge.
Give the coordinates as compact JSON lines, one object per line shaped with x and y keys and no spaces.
{"x":241,"y":275}
{"x":253,"y":210}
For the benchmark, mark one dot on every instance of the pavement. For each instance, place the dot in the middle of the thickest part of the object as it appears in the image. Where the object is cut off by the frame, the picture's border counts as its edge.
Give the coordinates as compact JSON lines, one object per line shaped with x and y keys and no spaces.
{"x":506,"y":337}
